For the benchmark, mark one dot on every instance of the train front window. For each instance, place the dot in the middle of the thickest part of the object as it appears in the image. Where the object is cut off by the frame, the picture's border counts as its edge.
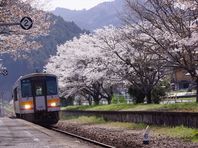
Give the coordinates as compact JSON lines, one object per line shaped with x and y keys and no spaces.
{"x":39,"y":91}
{"x":26,"y":88}
{"x":51,"y":86}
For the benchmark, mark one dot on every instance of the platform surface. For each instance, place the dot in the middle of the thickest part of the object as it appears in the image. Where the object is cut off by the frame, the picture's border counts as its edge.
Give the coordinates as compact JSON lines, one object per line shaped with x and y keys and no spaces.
{"x":17,"y":133}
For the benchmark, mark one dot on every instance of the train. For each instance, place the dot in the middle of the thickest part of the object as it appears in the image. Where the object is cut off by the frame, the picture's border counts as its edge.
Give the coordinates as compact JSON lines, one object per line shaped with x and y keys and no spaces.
{"x":36,"y":98}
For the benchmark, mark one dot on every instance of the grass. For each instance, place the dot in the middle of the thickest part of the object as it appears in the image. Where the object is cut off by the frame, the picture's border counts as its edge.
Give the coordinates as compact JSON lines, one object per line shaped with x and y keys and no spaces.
{"x":99,"y":120}
{"x":90,"y":120}
{"x":188,"y":98}
{"x":195,"y":137}
{"x":62,"y":117}
{"x":187,"y":107}
{"x":115,"y":107}
{"x":193,"y":99}
{"x":126,"y":125}
{"x":85,"y":119}
{"x":175,"y":132}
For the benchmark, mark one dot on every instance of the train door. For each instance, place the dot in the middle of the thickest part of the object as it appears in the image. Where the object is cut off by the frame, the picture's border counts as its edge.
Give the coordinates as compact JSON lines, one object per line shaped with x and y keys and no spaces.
{"x":16,"y":101}
{"x":39,"y":94}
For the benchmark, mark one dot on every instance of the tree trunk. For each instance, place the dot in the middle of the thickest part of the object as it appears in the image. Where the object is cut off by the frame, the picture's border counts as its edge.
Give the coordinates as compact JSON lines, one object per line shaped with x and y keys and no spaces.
{"x":96,"y":101}
{"x":109,"y":100}
{"x":197,"y":90}
{"x":148,"y":97}
{"x":90,"y":101}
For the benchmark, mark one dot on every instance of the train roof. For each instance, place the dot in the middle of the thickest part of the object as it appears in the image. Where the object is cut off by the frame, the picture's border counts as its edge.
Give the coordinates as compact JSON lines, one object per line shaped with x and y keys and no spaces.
{"x":33,"y":75}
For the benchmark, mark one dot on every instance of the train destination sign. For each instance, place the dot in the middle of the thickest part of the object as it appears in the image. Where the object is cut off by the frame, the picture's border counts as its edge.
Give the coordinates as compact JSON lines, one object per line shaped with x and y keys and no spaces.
{"x":26,"y":23}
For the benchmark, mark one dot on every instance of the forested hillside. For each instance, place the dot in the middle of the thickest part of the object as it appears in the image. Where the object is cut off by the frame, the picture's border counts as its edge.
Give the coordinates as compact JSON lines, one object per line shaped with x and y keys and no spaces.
{"x":101,"y":15}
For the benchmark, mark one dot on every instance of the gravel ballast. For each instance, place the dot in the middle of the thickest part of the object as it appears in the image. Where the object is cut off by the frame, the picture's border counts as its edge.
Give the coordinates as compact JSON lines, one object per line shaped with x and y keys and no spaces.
{"x":122,"y":137}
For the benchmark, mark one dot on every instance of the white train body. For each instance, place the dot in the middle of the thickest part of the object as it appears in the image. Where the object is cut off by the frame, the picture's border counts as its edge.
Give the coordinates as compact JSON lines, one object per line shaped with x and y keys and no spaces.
{"x":36,"y":98}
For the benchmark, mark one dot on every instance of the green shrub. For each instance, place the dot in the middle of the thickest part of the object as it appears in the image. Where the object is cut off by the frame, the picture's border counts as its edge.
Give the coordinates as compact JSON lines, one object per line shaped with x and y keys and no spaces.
{"x":118,"y":99}
{"x":159,"y":91}
{"x":195,"y":136}
{"x":67,"y":102}
{"x":137,"y":94}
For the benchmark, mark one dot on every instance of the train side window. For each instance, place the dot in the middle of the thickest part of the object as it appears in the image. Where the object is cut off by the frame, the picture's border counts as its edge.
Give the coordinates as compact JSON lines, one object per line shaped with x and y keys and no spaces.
{"x":15,"y":94}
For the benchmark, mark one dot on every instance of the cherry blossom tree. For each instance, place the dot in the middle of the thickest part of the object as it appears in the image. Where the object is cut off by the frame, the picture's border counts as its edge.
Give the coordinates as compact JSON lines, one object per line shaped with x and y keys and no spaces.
{"x":13,"y":38}
{"x":170,"y":28}
{"x":141,"y":69}
{"x":81,"y":72}
{"x":39,"y":4}
{"x":96,"y":63}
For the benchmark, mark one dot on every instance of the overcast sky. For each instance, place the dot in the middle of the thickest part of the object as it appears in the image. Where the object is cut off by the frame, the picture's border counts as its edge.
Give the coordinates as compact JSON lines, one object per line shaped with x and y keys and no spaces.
{"x":76,"y":4}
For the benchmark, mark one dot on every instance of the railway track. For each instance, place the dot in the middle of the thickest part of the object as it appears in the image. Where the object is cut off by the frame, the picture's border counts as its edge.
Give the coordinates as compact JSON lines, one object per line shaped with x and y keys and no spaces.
{"x":79,"y":137}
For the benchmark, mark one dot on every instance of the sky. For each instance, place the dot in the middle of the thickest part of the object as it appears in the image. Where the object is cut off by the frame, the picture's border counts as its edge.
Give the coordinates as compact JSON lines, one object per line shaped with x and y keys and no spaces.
{"x":76,"y":4}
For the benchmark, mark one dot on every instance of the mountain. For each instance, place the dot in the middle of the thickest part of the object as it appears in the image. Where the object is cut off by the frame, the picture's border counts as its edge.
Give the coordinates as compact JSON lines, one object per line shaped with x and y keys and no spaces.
{"x":101,"y":15}
{"x":22,"y":61}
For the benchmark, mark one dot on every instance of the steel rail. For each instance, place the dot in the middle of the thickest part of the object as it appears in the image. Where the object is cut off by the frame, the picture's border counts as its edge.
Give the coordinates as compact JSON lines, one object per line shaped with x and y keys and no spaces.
{"x":80,"y":137}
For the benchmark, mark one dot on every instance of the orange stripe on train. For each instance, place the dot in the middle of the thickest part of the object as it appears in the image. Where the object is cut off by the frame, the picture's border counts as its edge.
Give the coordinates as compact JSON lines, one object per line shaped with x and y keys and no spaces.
{"x":56,"y":100}
{"x":26,"y":102}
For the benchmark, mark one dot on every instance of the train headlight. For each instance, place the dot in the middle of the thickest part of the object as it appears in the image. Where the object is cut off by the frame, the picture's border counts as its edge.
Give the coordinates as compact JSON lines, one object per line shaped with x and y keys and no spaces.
{"x":53,"y":104}
{"x":27,"y":106}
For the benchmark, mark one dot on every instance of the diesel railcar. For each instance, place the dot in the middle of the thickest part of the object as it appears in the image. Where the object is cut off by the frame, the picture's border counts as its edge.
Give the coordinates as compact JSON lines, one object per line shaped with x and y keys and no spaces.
{"x":36,"y":98}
